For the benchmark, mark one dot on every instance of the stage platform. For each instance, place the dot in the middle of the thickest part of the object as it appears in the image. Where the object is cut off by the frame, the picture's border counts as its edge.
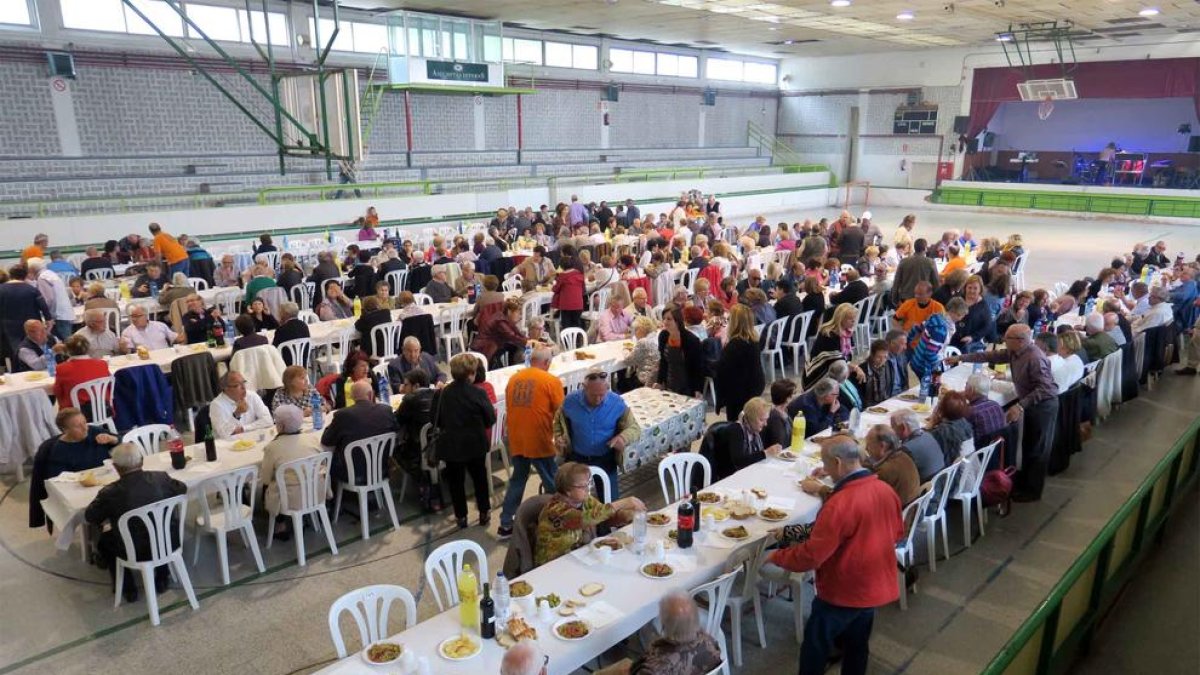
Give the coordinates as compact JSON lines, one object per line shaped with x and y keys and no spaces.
{"x":1116,"y":200}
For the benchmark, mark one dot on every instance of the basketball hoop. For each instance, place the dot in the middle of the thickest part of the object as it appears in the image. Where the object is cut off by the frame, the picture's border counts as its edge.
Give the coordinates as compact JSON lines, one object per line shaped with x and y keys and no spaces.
{"x":1046,"y":107}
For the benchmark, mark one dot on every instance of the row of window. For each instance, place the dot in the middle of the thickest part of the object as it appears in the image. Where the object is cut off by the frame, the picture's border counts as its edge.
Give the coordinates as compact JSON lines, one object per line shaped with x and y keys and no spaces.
{"x":447,"y":40}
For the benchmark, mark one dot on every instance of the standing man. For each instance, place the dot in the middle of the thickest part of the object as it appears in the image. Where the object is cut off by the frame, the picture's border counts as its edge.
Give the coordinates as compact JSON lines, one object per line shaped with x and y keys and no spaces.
{"x":37,"y":249}
{"x":594,"y":425}
{"x":852,"y":549}
{"x":577,"y":213}
{"x":911,"y":271}
{"x":54,"y":292}
{"x":632,"y":212}
{"x":533,"y":397}
{"x":173,"y":253}
{"x":1037,"y":403}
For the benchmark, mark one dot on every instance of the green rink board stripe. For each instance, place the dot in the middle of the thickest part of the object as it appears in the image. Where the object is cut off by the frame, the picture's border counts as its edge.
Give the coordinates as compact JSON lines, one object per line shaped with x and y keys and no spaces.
{"x":1114,"y":204}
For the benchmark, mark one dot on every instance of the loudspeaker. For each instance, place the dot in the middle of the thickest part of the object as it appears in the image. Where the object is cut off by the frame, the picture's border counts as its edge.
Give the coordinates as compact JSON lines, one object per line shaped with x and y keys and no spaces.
{"x":961,"y":122}
{"x":1194,"y":144}
{"x":989,"y":139}
{"x":710,"y":97}
{"x":972,"y":146}
{"x":610,"y":93}
{"x":62,"y":64}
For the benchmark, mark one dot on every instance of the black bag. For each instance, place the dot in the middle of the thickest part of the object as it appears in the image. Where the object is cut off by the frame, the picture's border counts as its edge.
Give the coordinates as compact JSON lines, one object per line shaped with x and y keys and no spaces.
{"x":432,"y":437}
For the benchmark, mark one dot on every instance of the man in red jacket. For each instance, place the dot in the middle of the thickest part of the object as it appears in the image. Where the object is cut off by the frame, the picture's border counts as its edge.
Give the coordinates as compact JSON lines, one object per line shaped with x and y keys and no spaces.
{"x":852,"y":548}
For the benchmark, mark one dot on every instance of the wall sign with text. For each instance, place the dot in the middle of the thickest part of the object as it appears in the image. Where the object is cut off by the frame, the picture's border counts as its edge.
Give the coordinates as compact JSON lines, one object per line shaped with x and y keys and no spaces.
{"x":456,"y":72}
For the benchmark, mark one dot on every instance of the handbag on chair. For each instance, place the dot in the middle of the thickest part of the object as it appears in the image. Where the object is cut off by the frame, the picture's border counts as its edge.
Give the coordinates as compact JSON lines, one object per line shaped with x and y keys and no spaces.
{"x":997,"y":485}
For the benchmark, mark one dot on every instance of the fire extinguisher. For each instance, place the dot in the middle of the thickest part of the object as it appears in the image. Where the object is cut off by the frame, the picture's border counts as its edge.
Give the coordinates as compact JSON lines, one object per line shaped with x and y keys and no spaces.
{"x":606,"y":118}
{"x":904,"y":165}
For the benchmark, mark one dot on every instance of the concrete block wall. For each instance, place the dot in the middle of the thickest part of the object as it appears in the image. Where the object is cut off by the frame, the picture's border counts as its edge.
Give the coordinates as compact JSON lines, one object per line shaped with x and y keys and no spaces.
{"x":26,"y":125}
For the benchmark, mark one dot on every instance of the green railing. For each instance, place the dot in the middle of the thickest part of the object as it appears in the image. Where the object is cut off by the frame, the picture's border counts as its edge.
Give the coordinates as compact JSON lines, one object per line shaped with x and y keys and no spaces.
{"x":1062,"y":626}
{"x":781,"y":153}
{"x":1115,"y":204}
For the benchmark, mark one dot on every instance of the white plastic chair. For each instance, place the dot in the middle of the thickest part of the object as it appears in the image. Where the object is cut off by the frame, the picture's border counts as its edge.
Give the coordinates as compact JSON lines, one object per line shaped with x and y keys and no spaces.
{"x":147,"y":437}
{"x":422,"y":299}
{"x":99,"y":273}
{"x":968,"y":488}
{"x":387,"y":337}
{"x":572,"y":338}
{"x":949,"y":352}
{"x":597,"y":301}
{"x":715,"y":596}
{"x":498,"y":445}
{"x":1018,"y":272}
{"x":934,"y":519}
{"x":99,"y":391}
{"x":479,"y":357}
{"x":512,"y":283}
{"x":783,"y":257}
{"x":605,"y":485}
{"x":232,"y":516}
{"x":269,"y":257}
{"x":774,"y":346}
{"x":313,"y":476}
{"x":454,"y":327}
{"x":335,"y":351}
{"x":198,"y":284}
{"x":679,"y":468}
{"x":156,"y":520}
{"x":301,"y":294}
{"x":112,"y":319}
{"x":397,"y":281}
{"x":748,"y":560}
{"x":795,"y":338}
{"x":444,"y":565}
{"x":862,"y":329}
{"x":308,"y":316}
{"x":376,"y":450}
{"x":296,"y":352}
{"x":228,"y":302}
{"x":911,"y":516}
{"x":370,"y":606}
{"x":688,"y":279}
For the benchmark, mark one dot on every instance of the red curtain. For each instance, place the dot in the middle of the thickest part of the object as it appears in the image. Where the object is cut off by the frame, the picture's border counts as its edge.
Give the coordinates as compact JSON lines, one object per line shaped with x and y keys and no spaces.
{"x":1156,"y":78}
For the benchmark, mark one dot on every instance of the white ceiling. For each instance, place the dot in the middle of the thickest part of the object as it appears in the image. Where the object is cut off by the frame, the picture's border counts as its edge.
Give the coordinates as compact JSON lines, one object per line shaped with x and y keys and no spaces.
{"x":754,"y":26}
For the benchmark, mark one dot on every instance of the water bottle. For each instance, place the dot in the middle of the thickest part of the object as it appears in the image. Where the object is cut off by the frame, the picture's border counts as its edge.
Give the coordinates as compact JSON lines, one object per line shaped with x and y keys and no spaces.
{"x":51,"y":364}
{"x":1091,"y":305}
{"x":501,"y":597}
{"x":528,"y":354}
{"x":977,"y":367}
{"x":639,"y":532}
{"x":853,"y":423}
{"x":926,"y":383}
{"x":318,"y":416}
{"x":385,"y":391}
{"x":154,"y":289}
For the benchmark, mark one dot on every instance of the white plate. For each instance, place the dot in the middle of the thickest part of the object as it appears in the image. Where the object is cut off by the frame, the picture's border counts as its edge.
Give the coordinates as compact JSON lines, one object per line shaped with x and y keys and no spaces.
{"x":642,"y":571}
{"x":783,"y":458}
{"x":393,"y":662}
{"x":478,"y":649}
{"x":666,"y":524}
{"x":725,"y":536}
{"x":773,"y":520}
{"x":554,"y":629}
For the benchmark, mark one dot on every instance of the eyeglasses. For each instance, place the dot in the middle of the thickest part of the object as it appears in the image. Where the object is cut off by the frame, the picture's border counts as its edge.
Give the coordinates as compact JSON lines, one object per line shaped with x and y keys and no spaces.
{"x":596,"y":376}
{"x":585,"y":486}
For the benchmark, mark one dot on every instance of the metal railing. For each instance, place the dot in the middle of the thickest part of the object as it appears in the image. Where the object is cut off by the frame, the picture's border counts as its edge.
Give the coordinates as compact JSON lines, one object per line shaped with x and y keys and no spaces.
{"x":1064,"y":623}
{"x":1076,"y":202}
{"x":781,"y":153}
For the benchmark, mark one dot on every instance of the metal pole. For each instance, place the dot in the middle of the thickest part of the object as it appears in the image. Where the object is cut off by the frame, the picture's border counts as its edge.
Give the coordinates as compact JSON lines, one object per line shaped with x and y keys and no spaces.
{"x":321,"y":56}
{"x":278,"y":108}
{"x":408,"y":134}
{"x":520,"y":131}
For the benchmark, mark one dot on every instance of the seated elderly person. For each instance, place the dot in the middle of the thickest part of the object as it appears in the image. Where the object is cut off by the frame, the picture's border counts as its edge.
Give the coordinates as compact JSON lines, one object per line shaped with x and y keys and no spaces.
{"x":501,"y":337}
{"x":225,"y":275}
{"x":740,"y":445}
{"x":848,"y":394}
{"x":873,"y":377}
{"x":535,"y":330}
{"x":523,"y":659}
{"x":407,"y":305}
{"x":237,"y":410}
{"x":78,"y":448}
{"x":148,"y":284}
{"x":1065,"y":365}
{"x":884,"y":457}
{"x":820,"y":407}
{"x":1098,"y":344}
{"x":177,"y":289}
{"x":101,"y":341}
{"x":614,"y":323}
{"x":197,"y":321}
{"x":639,"y":303}
{"x":438,"y":288}
{"x":764,"y":312}
{"x":569,"y":519}
{"x":31,"y":352}
{"x":594,"y":426}
{"x":144,"y":332}
{"x":922,"y":447}
{"x":1112,"y":326}
{"x":1160,"y":312}
{"x":411,"y":357}
{"x":363,"y":419}
{"x":949,"y":425}
{"x":134,"y":489}
{"x":682,"y":649}
{"x":289,"y":444}
{"x":986,"y":416}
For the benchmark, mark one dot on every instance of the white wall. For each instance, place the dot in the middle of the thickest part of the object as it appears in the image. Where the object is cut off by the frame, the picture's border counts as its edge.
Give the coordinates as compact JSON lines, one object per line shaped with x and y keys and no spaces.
{"x":1142,"y":125}
{"x":249,"y":221}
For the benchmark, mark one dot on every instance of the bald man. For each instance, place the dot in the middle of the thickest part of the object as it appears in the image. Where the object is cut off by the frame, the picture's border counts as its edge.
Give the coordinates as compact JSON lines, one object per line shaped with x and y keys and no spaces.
{"x":1037,"y":404}
{"x":523,"y":659}
{"x":364,"y":419}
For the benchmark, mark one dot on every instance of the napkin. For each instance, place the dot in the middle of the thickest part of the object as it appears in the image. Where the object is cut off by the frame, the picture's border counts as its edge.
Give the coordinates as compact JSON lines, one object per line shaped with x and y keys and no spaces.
{"x":715,"y":540}
{"x":598,"y":614}
{"x":682,"y":563}
{"x":782,"y":503}
{"x":67,"y":477}
{"x":584,"y":555}
{"x":195,"y":466}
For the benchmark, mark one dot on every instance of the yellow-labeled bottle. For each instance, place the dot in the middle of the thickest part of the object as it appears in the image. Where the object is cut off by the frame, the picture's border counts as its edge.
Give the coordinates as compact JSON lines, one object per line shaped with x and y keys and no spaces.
{"x":357,"y":307}
{"x":468,"y":598}
{"x":798,"y":432}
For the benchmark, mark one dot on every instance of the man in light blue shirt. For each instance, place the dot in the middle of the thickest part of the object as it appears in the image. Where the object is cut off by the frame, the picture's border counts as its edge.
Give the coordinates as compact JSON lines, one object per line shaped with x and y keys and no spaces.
{"x":61,"y":266}
{"x":578,"y":212}
{"x":594,"y":426}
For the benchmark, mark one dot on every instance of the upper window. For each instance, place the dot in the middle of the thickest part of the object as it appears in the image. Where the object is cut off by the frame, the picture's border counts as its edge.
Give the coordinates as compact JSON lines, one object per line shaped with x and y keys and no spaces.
{"x":563,"y":55}
{"x":652,"y":63}
{"x":741,"y":71}
{"x":218,"y":23}
{"x":16,"y":13}
{"x":724,"y":69}
{"x":760,"y":73}
{"x":518,"y":50}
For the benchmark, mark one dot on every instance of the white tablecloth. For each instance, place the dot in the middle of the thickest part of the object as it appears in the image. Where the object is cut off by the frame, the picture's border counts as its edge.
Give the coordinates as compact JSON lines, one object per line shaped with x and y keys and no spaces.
{"x":26,"y":420}
{"x":669,"y":421}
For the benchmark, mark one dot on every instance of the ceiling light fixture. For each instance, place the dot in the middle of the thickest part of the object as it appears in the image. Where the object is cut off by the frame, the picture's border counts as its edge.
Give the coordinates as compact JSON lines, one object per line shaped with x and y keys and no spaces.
{"x":840,"y":3}
{"x":1148,"y":11}
{"x":906,"y":15}
{"x":789,"y":42}
{"x":1004,"y":37}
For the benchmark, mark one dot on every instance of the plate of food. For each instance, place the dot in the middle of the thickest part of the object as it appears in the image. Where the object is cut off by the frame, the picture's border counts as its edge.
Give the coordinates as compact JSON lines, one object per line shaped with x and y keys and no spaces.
{"x":380,"y":653}
{"x":741,"y":511}
{"x":658,"y":519}
{"x":911,"y":398}
{"x":772,"y":514}
{"x":587,"y":590}
{"x":708,"y":498}
{"x":877,"y":410}
{"x":35,"y":376}
{"x":581,"y":355}
{"x":515,"y":630}
{"x":243,"y":445}
{"x":608,"y":542}
{"x":718,"y":514}
{"x":458,"y":648}
{"x":520,"y":589}
{"x":758,"y":492}
{"x":572,"y":629}
{"x":551,"y":599}
{"x":657,"y":570}
{"x":736,"y":533}
{"x":921,"y":408}
{"x":787,"y":456}
{"x":673,"y":534}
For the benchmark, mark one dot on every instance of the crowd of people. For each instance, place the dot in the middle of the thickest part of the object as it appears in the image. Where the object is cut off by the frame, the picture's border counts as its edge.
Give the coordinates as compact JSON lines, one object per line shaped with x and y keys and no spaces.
{"x":947,"y":300}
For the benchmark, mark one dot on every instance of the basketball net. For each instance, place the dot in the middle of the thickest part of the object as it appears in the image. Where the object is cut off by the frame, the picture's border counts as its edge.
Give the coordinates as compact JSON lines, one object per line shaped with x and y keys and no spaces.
{"x":1045,"y":107}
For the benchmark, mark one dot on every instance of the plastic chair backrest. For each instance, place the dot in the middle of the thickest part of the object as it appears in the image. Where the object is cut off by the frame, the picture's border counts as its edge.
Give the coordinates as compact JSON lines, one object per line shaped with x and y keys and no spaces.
{"x":308,"y":316}
{"x":198,"y":284}
{"x":512,"y":283}
{"x":296,"y":352}
{"x":605,"y":485}
{"x":228,"y":300}
{"x":229,"y":489}
{"x":455,"y":318}
{"x":941,"y":483}
{"x":715,"y":596}
{"x":689,"y":279}
{"x":370,"y":606}
{"x":501,"y":425}
{"x":156,"y":519}
{"x":774,"y":338}
{"x":656,"y":314}
{"x":376,"y":449}
{"x":112,"y":319}
{"x":397,"y":281}
{"x":598,"y":300}
{"x":386,"y":337}
{"x":444,"y":565}
{"x":99,"y":273}
{"x":911,"y":517}
{"x":147,"y":437}
{"x":798,"y":332}
{"x":422,"y":299}
{"x":979,"y":459}
{"x":301,"y":294}
{"x":99,"y":392}
{"x":572,"y":338}
{"x":312,"y":474}
{"x":678,"y":468}
{"x":949,"y":351}
{"x":480,"y":358}
{"x":269,"y":257}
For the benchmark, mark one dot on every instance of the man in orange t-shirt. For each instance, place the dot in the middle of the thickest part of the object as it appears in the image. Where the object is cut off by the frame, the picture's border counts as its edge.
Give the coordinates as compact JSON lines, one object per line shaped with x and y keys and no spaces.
{"x":172,"y":252}
{"x":532,"y":397}
{"x":919,"y":307}
{"x":37,"y":249}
